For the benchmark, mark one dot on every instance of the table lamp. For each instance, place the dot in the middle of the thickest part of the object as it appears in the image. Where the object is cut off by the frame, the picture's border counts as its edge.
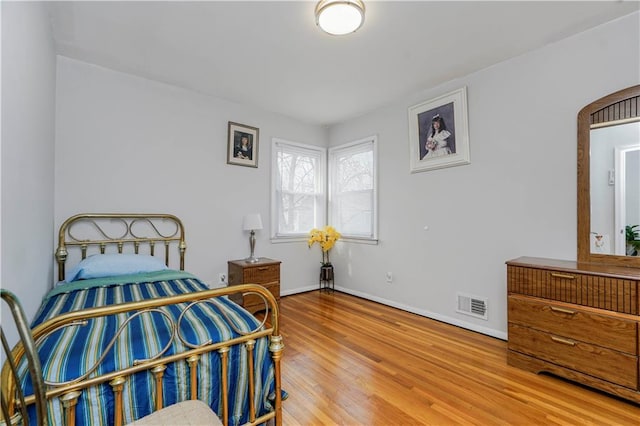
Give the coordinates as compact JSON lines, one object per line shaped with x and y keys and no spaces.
{"x":252,"y":222}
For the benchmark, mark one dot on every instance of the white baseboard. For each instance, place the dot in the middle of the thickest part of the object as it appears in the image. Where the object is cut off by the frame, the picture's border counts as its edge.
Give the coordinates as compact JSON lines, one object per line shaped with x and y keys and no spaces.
{"x":299,"y":290}
{"x":439,"y":317}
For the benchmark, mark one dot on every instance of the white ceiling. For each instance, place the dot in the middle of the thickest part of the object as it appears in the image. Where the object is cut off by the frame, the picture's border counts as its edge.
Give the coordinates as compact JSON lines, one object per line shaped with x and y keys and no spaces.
{"x":271,"y":54}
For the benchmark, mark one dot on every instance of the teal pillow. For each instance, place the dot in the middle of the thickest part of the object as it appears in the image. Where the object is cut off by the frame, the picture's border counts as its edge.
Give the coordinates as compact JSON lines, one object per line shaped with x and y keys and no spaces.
{"x":111,"y":265}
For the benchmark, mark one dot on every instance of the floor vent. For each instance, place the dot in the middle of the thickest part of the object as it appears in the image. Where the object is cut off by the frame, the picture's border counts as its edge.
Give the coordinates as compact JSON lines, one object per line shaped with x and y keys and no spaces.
{"x":472,"y":305}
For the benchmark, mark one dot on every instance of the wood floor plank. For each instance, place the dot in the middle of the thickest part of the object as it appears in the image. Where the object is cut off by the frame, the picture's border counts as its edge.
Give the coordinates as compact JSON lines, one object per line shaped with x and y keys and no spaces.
{"x":349,"y":361}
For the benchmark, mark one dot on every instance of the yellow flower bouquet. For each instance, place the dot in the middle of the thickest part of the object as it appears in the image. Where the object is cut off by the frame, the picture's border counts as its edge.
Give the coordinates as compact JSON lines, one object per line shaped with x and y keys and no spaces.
{"x":327,"y":238}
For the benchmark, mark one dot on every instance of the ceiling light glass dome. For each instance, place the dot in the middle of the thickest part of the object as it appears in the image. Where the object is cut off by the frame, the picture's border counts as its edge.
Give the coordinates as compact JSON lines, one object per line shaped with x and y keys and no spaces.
{"x":339,"y":17}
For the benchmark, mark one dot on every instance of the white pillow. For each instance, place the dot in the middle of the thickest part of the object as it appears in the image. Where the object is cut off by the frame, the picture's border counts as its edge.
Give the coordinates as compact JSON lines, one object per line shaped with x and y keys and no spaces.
{"x":110,"y":265}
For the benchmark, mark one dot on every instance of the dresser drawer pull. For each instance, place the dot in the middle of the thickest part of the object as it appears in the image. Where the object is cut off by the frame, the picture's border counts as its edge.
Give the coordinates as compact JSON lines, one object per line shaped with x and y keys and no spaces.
{"x":563,"y":341}
{"x":565,"y":276}
{"x":563,"y":311}
{"x":264,"y":268}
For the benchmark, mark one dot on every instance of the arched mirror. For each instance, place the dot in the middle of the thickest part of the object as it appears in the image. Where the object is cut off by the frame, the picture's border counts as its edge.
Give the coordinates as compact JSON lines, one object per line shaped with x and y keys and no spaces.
{"x":609,"y":180}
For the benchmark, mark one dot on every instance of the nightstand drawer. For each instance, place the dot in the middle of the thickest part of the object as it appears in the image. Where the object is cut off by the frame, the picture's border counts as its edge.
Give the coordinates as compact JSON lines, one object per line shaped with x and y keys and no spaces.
{"x":255,"y":300}
{"x":265,"y":272}
{"x":570,"y":321}
{"x":261,"y":274}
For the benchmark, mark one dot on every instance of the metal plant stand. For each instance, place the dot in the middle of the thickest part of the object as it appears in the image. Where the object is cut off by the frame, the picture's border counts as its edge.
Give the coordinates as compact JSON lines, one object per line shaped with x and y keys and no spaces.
{"x":326,"y":278}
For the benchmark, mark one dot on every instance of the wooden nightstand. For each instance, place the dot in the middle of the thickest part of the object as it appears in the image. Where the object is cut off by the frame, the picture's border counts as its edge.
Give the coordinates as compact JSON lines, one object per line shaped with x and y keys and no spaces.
{"x":265,"y":272}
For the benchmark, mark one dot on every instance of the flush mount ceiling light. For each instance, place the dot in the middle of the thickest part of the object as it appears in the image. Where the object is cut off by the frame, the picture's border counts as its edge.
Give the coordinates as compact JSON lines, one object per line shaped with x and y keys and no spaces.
{"x":339,"y":17}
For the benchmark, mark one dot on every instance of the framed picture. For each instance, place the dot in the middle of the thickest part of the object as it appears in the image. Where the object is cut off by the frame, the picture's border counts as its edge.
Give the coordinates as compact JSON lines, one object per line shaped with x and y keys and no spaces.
{"x":438,"y":132}
{"x":242,"y":145}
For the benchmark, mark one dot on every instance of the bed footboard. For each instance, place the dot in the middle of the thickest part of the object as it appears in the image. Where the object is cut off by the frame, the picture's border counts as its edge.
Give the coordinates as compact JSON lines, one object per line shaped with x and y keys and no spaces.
{"x":67,"y":394}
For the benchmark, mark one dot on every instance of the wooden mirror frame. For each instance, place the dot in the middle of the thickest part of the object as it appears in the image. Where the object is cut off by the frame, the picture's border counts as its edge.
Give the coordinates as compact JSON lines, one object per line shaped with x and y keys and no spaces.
{"x":617,"y":107}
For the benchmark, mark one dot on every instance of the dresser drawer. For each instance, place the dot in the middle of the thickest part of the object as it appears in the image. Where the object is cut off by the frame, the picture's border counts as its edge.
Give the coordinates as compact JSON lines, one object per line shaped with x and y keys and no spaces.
{"x":597,"y":291}
{"x":262,"y":274}
{"x":594,"y":360}
{"x":572,"y":322}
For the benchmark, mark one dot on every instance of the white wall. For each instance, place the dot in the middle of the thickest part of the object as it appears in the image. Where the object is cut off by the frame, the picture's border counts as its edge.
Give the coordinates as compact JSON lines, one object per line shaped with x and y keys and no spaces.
{"x":516,"y":198}
{"x":28,"y":101}
{"x":126,"y":144}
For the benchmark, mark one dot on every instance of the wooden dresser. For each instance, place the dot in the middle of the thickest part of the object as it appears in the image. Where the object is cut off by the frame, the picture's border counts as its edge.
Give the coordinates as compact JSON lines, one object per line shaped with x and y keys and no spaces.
{"x":576,"y":320}
{"x":265,"y":272}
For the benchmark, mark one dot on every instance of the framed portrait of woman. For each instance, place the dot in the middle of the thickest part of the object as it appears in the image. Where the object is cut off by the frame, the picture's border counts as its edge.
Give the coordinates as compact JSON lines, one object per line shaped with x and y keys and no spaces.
{"x":242,"y":145}
{"x":438,"y":132}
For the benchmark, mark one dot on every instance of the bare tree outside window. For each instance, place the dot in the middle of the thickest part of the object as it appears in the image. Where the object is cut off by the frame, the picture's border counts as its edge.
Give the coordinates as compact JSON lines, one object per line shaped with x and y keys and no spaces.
{"x":298,"y":189}
{"x":353,"y":189}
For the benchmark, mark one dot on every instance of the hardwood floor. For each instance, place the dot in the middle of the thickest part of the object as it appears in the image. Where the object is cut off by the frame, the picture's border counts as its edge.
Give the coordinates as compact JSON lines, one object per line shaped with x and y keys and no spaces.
{"x":349,"y":361}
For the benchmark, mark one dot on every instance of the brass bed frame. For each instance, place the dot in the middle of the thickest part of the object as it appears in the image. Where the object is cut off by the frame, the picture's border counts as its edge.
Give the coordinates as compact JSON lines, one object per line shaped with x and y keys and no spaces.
{"x":139,"y":230}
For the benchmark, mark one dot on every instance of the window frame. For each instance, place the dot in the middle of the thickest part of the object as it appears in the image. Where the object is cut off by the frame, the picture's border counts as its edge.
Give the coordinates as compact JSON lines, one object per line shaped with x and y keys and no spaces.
{"x":332,"y":154}
{"x":321,"y":185}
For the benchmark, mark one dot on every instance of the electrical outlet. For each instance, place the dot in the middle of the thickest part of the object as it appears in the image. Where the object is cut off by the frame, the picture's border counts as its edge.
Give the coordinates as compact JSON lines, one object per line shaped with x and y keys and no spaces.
{"x":389,"y":276}
{"x":222,"y":278}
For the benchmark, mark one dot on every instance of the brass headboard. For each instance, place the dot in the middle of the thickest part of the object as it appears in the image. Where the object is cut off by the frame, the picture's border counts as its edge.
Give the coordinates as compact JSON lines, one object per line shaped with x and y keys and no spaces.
{"x":100,"y":230}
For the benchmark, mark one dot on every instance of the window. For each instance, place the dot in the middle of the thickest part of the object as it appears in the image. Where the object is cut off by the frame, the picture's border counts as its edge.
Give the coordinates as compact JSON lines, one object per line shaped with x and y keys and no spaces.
{"x":298,"y":181}
{"x":353,"y":189}
{"x":298,"y":195}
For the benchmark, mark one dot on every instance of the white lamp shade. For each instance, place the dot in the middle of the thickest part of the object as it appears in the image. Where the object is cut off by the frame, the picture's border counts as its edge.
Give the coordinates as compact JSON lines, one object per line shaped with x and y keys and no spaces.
{"x":339,"y":17}
{"x":252,"y":222}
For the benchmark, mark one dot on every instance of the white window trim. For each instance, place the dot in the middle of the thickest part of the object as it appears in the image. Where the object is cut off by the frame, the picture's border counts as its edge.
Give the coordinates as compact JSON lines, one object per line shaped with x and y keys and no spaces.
{"x":374,"y":139}
{"x":323,"y":185}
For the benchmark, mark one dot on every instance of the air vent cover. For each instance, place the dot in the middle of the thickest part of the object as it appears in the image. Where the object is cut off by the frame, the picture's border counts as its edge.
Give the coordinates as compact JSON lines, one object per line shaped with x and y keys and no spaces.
{"x":472,"y":305}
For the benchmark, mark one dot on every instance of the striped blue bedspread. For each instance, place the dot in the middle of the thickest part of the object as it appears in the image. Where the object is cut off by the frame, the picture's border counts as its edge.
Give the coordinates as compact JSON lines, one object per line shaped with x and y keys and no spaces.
{"x":69,"y":353}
